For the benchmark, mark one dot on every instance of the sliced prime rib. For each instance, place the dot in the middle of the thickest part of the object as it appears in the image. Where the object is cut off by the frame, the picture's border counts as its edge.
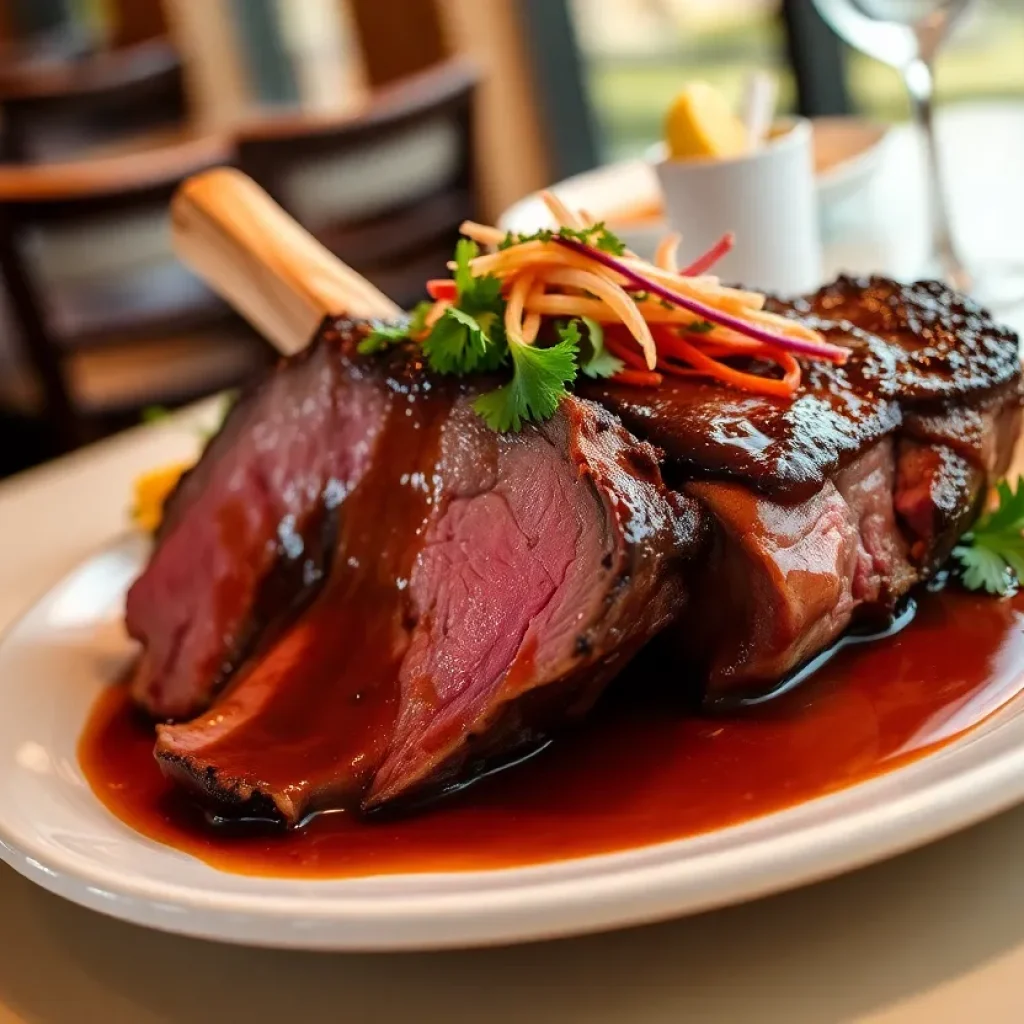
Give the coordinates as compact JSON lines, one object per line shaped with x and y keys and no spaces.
{"x":484,"y":589}
{"x":413,"y":596}
{"x":826,"y":510}
{"x":247,"y":535}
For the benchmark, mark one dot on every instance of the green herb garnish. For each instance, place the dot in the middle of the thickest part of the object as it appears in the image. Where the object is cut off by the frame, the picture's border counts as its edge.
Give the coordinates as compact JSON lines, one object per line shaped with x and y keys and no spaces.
{"x":463,"y":343}
{"x":470,"y":338}
{"x":384,"y":336}
{"x":597,"y":235}
{"x":701,"y":327}
{"x":595,"y":360}
{"x":155,"y":414}
{"x":991,"y":556}
{"x":538,"y":382}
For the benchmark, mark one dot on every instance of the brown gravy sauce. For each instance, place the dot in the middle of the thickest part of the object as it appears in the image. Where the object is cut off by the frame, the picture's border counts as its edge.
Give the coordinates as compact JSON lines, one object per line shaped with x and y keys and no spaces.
{"x":313,"y":713}
{"x":638,"y":772}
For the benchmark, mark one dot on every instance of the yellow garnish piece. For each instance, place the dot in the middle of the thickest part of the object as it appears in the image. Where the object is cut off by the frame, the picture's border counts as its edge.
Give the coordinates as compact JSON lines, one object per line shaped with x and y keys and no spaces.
{"x":151,"y":491}
{"x":701,"y":124}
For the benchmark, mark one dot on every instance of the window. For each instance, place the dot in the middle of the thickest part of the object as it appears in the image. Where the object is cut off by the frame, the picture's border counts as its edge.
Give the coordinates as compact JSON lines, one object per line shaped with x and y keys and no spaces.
{"x":638,"y":53}
{"x":983,"y":59}
{"x":635,"y":55}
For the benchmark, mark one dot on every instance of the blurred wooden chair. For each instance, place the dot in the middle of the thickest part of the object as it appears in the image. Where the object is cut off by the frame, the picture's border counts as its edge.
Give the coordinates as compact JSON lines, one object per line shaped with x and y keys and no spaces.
{"x":60,"y":107}
{"x":104,"y":317}
{"x":384,"y":190}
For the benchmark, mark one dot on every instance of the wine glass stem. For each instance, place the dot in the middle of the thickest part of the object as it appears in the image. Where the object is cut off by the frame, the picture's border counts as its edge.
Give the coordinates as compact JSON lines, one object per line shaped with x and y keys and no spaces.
{"x":920,"y":82}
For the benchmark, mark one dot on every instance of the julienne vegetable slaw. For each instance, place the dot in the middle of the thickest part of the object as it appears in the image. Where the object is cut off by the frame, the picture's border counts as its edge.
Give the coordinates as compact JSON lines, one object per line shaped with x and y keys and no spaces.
{"x":657,"y":319}
{"x":609,"y":314}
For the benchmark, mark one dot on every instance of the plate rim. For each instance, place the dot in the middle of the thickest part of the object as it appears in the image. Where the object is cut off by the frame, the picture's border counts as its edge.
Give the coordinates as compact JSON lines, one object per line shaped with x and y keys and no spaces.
{"x":560,"y":898}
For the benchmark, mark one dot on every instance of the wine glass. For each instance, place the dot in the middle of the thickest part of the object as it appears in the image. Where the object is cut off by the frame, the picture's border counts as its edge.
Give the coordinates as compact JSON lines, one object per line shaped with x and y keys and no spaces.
{"x":907,"y":35}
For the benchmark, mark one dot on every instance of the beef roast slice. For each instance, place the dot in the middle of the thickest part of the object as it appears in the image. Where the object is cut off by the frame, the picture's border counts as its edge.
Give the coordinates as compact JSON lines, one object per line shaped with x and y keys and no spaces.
{"x":249,"y":531}
{"x":915,"y":348}
{"x":793,"y":576}
{"x":553,"y":561}
{"x":484,"y":590}
{"x":828,"y":508}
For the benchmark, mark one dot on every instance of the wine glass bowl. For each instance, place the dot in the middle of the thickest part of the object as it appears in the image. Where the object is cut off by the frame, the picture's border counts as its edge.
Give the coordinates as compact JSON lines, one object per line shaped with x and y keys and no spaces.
{"x":907,"y":35}
{"x":896,"y":32}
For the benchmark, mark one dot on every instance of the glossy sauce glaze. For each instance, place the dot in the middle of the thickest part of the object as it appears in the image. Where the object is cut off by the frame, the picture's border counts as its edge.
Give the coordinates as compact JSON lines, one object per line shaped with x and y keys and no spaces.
{"x":911,"y":347}
{"x":310,"y":719}
{"x":640,"y":771}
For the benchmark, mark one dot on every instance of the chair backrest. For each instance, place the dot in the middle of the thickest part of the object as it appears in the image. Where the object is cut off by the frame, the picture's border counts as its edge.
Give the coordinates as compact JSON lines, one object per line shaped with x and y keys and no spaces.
{"x":59,"y":108}
{"x":385,"y":190}
{"x":85,"y":256}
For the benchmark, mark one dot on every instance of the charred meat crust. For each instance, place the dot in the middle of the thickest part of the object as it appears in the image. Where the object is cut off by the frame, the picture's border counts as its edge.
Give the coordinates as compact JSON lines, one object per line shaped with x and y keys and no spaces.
{"x":915,"y":350}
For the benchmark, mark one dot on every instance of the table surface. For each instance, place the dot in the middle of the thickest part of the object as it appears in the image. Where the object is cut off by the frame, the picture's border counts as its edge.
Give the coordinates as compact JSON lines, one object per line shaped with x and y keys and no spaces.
{"x":935,"y":935}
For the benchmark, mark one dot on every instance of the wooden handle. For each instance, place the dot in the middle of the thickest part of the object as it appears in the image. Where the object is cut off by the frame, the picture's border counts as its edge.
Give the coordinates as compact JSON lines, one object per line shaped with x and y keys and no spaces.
{"x":280,"y":278}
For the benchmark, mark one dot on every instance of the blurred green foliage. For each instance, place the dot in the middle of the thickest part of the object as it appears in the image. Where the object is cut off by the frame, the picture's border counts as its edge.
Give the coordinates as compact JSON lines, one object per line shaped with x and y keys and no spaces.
{"x":631,"y":92}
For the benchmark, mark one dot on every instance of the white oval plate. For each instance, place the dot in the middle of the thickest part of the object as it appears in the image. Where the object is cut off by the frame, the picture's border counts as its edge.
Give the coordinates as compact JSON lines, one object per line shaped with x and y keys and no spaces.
{"x":53,"y":830}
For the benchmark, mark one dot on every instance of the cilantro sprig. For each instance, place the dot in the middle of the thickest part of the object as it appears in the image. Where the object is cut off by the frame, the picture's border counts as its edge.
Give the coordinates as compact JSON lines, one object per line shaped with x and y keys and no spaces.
{"x":596,"y":360}
{"x":537,"y":386}
{"x":469,"y":337}
{"x":991,"y":556}
{"x":597,"y":235}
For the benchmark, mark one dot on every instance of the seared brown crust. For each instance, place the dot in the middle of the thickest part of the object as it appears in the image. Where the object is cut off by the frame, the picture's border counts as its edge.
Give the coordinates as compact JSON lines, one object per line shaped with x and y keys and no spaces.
{"x":931,"y":388}
{"x":935,"y":343}
{"x":913,"y":349}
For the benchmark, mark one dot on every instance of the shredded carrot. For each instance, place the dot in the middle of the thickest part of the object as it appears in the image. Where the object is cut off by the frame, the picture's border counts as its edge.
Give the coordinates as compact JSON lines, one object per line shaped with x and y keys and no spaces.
{"x":482,"y":233}
{"x":442,"y":289}
{"x":731,"y":300}
{"x":564,"y":217}
{"x":531,"y":327}
{"x":436,"y":312}
{"x":617,"y":298}
{"x":536,"y":253}
{"x":526,"y":254}
{"x":704,"y":263}
{"x":622,"y":350}
{"x":665,"y":254}
{"x":784,"y":325}
{"x":792,"y":374}
{"x":672,"y":346}
{"x":514,"y":309}
{"x":532,"y":320}
{"x":655,"y":315}
{"x":638,"y":378}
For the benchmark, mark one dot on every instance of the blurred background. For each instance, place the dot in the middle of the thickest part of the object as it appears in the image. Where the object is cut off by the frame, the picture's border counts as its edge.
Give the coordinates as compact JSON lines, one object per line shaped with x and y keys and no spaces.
{"x":379,"y":124}
{"x":632,"y":52}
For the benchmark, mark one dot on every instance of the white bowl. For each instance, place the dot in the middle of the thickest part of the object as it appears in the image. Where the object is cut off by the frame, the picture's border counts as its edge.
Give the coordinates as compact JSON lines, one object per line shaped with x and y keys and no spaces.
{"x":847,"y":153}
